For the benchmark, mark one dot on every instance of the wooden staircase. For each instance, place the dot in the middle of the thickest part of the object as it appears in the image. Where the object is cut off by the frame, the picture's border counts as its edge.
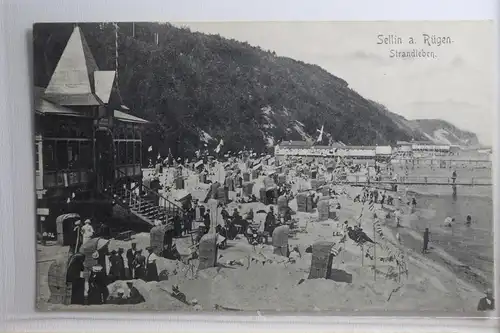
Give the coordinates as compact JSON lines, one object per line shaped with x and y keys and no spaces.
{"x":145,"y":203}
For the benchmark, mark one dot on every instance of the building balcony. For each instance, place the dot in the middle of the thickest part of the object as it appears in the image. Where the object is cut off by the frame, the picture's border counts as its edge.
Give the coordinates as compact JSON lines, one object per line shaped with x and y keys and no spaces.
{"x":63,"y":178}
{"x":128,"y":170}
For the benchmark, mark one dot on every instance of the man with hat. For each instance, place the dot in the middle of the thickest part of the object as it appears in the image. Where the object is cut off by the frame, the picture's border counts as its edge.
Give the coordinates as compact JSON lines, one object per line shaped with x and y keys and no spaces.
{"x":139,"y":265}
{"x":117,"y":269}
{"x":121,"y":264}
{"x":487,"y":303}
{"x":130,"y":259}
{"x":113,"y":266}
{"x":98,"y":289}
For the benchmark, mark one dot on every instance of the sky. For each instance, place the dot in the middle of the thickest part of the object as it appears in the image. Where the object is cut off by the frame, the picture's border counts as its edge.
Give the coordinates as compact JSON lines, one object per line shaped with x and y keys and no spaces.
{"x":456,"y":85}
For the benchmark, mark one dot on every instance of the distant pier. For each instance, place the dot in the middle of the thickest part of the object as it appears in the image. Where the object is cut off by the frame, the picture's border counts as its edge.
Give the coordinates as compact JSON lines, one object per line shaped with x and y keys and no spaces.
{"x":420,"y":181}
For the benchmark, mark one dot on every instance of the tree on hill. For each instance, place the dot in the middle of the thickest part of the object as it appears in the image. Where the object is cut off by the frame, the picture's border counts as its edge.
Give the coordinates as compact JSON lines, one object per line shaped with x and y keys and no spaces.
{"x":192,"y":82}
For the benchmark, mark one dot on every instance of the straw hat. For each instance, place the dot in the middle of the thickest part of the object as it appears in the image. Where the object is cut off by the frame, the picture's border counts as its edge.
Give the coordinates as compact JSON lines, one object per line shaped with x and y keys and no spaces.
{"x":87,"y":221}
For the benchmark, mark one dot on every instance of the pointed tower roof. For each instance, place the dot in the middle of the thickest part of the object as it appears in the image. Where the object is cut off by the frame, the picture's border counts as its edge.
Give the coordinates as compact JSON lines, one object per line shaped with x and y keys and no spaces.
{"x":72,"y":82}
{"x":103,"y":82}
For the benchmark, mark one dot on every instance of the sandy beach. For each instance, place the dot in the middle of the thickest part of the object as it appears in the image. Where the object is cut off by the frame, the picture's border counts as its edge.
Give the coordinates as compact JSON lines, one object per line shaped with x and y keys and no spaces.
{"x":251,"y":278}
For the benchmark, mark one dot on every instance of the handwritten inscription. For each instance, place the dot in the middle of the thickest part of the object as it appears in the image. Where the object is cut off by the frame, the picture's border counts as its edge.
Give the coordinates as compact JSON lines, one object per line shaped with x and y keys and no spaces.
{"x":423,"y":46}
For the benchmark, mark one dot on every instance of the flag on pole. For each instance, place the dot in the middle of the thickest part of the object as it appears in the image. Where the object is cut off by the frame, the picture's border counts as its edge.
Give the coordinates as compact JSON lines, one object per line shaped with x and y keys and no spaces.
{"x":320,"y":137}
{"x":219,"y":146}
{"x":335,"y":251}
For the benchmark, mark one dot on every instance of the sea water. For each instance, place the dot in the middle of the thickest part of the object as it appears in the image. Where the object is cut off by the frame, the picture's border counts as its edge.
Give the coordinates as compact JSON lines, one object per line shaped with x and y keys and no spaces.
{"x":471,"y":246}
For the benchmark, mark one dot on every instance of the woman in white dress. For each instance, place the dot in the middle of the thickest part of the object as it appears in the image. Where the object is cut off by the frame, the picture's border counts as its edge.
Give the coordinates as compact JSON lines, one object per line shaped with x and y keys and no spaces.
{"x":87,"y":231}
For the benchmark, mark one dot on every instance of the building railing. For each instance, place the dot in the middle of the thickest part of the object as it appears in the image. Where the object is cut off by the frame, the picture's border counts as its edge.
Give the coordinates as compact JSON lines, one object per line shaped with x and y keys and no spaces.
{"x":62,"y":178}
{"x":128,"y":170}
{"x":138,"y":195}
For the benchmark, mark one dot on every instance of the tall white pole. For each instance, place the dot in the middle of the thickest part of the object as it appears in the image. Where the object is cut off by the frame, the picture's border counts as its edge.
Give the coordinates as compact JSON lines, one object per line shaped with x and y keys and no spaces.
{"x":116,"y":50}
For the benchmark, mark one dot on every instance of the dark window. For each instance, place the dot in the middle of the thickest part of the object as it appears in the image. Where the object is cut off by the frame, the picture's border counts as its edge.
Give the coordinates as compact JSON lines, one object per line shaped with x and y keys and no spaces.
{"x":85,"y":158}
{"x":74,"y":155}
{"x":130,"y":152}
{"x":62,"y":155}
{"x":130,"y":132}
{"x":137,"y":146}
{"x":122,"y":153}
{"x":49,"y":161}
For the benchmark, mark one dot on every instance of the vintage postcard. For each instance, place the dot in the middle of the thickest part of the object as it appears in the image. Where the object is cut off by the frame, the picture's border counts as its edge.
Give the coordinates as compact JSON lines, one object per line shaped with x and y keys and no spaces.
{"x":271,"y":167}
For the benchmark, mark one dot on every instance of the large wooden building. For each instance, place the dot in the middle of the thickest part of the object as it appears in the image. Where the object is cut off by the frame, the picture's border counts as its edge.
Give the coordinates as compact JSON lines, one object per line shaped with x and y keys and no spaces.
{"x":85,"y":140}
{"x":359,"y":154}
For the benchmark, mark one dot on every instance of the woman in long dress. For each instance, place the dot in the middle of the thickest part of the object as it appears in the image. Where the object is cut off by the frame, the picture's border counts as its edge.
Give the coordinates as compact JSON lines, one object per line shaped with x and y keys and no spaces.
{"x":73,"y":276}
{"x":87,"y":231}
{"x":151,"y":269}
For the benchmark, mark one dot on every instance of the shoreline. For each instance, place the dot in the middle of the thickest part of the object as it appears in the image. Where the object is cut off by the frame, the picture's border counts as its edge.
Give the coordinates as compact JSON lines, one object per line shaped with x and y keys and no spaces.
{"x":432,"y":285}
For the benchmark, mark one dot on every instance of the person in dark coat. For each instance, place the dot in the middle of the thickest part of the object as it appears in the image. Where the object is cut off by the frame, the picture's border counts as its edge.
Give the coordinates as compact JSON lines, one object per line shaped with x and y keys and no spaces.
{"x":287,"y":215}
{"x":426,"y":240}
{"x":206,"y":220}
{"x":130,"y":259}
{"x":225,"y":215}
{"x":121,"y":264}
{"x":98,"y":288}
{"x":486,"y":303}
{"x":188,"y":220}
{"x":113,"y":267}
{"x":139,"y":266}
{"x":73,"y":276}
{"x":151,"y":269}
{"x":250,"y":216}
{"x":104,"y":231}
{"x":270,"y":222}
{"x":177,"y":226}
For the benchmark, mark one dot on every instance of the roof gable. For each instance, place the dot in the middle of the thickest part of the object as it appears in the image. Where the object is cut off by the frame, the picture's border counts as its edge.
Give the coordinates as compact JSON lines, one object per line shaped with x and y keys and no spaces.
{"x":104,"y":81}
{"x":72,"y":81}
